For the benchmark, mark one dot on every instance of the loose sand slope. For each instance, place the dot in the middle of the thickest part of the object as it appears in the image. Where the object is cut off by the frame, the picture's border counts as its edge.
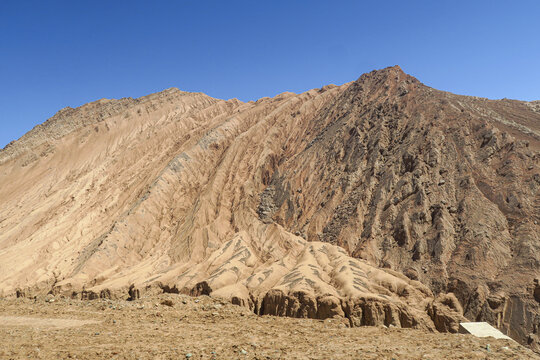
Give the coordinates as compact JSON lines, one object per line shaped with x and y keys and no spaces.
{"x":263,"y":203}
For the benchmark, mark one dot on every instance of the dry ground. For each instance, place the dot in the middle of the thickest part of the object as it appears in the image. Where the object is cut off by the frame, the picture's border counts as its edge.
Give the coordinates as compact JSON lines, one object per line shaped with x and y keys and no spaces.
{"x":177,"y":327}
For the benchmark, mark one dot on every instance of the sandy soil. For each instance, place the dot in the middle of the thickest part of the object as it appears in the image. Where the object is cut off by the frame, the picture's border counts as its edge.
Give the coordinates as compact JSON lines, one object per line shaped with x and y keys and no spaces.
{"x":176,"y":327}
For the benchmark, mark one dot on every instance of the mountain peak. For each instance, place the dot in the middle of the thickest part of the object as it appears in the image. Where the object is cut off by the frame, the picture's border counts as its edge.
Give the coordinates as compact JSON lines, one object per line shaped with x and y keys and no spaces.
{"x":391,"y":73}
{"x":392,"y":81}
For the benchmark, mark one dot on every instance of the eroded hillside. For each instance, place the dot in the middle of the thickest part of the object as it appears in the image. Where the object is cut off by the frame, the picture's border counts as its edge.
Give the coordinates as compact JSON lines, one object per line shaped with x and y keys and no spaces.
{"x":309,"y":205}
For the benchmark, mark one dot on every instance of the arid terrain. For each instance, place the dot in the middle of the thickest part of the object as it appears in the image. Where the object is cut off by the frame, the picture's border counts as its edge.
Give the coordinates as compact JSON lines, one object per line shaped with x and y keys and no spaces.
{"x":380,"y":202}
{"x":176,"y":326}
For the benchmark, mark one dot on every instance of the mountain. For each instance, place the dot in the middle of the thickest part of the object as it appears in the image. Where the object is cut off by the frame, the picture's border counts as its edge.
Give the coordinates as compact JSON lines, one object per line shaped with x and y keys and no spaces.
{"x":381,"y":201}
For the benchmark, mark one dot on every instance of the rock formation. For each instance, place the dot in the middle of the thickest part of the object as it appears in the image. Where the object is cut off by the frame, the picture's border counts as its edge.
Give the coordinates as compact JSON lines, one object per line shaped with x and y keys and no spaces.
{"x":309,"y":205}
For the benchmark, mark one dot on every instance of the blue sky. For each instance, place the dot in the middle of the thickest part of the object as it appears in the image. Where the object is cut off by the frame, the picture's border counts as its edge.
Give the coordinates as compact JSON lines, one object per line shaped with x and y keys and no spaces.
{"x":55,"y":54}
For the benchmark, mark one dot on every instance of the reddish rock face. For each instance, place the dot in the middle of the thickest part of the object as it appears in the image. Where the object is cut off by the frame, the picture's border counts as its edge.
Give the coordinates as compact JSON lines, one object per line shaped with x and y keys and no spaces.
{"x":254,"y":202}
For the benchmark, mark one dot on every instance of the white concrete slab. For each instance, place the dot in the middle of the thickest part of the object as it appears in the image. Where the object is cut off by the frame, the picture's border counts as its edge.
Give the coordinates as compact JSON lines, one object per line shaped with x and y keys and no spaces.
{"x":481,"y":329}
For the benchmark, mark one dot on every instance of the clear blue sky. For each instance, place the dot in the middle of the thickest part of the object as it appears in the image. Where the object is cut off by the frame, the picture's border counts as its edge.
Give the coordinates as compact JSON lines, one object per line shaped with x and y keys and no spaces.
{"x":55,"y":54}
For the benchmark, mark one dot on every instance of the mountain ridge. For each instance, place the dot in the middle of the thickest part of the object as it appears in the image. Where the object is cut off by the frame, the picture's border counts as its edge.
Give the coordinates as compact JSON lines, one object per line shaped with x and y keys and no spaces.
{"x":254,"y":201}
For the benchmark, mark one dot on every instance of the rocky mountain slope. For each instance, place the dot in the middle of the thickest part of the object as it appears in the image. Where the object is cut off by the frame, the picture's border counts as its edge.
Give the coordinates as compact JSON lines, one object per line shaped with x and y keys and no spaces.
{"x":309,"y":205}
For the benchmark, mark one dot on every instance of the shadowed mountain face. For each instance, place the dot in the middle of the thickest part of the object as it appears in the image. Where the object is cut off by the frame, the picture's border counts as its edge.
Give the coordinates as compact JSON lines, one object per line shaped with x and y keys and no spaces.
{"x":310,"y":205}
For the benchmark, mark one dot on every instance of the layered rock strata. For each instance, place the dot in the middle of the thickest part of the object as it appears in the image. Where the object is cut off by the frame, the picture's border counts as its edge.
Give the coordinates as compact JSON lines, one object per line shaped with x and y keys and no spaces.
{"x":301,"y":205}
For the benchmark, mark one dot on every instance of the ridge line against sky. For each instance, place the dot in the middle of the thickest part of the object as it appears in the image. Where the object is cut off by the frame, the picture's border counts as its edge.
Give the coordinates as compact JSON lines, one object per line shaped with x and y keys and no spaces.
{"x":61,"y":53}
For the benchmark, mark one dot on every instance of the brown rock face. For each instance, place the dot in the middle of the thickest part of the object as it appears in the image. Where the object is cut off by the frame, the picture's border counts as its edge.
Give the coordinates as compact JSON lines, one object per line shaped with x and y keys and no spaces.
{"x":309,"y":205}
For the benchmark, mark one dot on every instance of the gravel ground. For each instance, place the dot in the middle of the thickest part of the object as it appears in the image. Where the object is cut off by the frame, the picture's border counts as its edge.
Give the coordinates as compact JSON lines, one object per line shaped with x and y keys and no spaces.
{"x":180,"y":327}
